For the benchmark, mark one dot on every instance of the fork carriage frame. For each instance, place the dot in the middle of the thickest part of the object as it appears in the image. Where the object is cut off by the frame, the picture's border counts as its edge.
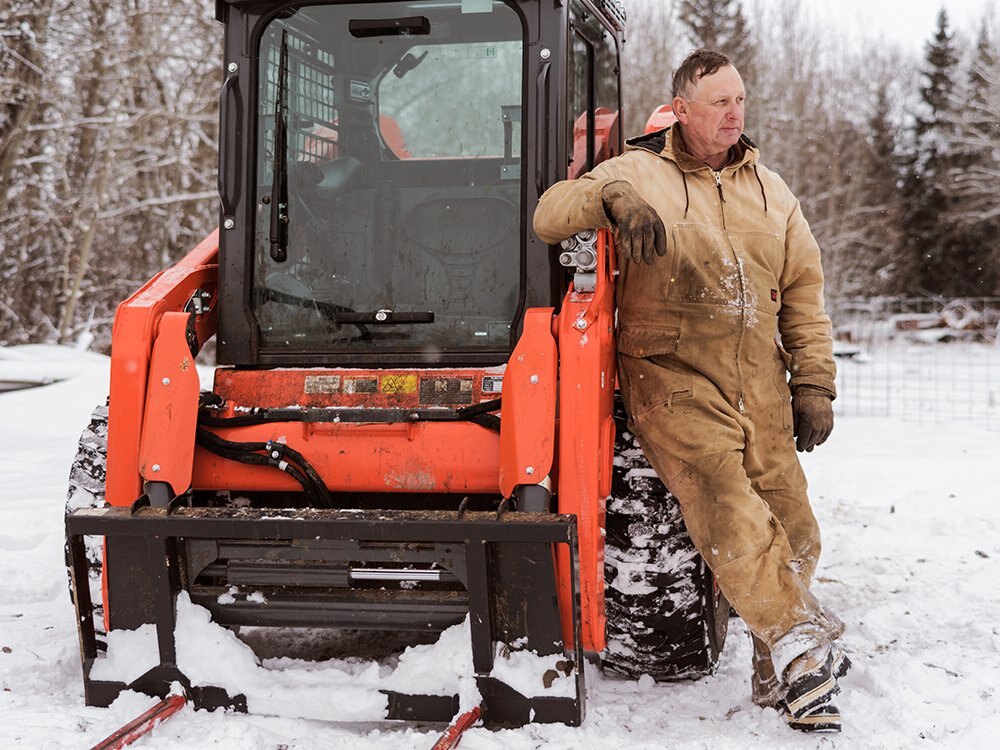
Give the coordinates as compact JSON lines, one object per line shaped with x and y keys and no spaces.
{"x":502,"y":557}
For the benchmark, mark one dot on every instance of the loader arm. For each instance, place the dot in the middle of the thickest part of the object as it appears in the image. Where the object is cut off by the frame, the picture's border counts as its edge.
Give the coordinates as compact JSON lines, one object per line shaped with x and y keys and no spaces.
{"x":587,"y":379}
{"x":187,"y":290}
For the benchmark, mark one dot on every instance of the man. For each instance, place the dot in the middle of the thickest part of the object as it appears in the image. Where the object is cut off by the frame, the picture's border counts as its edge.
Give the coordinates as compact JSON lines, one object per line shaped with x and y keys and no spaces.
{"x":717,"y":261}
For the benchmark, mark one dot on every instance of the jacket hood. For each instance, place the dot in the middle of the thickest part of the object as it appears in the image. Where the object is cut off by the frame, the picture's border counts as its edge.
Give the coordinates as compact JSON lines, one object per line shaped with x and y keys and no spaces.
{"x":669,"y":144}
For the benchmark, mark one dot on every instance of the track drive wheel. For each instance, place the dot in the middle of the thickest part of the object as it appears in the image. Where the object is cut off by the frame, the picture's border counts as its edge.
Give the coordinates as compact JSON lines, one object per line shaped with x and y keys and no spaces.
{"x":86,"y":490}
{"x":666,"y":616}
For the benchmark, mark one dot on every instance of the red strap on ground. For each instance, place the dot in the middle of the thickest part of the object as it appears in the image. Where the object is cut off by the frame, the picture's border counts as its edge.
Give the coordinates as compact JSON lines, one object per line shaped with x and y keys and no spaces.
{"x":453,"y":734}
{"x":142,"y":724}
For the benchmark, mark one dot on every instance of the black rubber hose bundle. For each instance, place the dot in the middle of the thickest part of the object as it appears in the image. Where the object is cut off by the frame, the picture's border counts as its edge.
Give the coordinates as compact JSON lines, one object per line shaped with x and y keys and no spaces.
{"x":270,"y":453}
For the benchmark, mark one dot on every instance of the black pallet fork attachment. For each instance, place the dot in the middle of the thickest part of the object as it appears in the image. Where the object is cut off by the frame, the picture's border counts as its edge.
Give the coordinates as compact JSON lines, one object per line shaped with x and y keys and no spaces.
{"x":479,"y":539}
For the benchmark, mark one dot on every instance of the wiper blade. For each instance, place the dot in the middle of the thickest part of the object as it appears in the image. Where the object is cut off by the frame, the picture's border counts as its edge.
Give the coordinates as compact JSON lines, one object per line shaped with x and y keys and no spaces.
{"x":341,"y":314}
{"x":279,"y":183}
{"x":383,"y":317}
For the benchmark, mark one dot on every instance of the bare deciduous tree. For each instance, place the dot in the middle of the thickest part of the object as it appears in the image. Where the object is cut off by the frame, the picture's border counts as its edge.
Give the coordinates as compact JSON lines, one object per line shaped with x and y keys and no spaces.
{"x":652,"y":49}
{"x":108,"y":117}
{"x":113,"y":173}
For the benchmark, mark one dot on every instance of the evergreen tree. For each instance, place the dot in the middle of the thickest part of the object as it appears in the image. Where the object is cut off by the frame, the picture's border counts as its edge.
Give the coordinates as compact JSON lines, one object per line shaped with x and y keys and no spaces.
{"x":885,"y":267}
{"x":647,"y":62}
{"x":974,"y":212}
{"x":852,"y":199}
{"x":927,"y":239}
{"x":721,"y":25}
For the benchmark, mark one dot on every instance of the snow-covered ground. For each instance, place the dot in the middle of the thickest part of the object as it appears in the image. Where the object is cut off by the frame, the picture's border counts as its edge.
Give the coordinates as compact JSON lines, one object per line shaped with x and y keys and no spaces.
{"x":911,"y":520}
{"x":32,"y":365}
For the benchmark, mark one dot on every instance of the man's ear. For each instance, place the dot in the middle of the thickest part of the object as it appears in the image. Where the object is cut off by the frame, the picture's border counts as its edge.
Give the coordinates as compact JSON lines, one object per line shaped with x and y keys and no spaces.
{"x":680,"y":108}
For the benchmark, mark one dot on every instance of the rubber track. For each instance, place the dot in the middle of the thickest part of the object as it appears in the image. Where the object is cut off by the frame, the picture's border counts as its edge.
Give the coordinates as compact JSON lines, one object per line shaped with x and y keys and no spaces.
{"x":663,"y":618}
{"x":86,"y":490}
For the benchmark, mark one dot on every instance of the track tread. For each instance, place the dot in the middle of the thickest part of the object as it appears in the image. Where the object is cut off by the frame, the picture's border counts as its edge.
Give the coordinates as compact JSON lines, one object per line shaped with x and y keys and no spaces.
{"x":664,"y":617}
{"x":87,"y":477}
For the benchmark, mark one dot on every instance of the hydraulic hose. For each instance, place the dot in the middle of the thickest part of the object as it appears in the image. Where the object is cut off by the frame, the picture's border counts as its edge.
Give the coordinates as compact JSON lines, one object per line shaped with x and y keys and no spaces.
{"x":278,"y":455}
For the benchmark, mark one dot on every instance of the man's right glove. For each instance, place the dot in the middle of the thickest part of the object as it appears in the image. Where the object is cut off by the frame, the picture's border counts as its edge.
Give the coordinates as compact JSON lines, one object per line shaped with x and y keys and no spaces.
{"x":812,"y":411}
{"x":639,"y":230}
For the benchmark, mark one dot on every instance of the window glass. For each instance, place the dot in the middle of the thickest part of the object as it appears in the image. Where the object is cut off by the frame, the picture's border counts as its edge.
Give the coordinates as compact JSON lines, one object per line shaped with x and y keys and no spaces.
{"x":479,"y":75}
{"x":606,"y":73}
{"x":593,"y":92}
{"x":581,"y":87}
{"x":388,"y":178}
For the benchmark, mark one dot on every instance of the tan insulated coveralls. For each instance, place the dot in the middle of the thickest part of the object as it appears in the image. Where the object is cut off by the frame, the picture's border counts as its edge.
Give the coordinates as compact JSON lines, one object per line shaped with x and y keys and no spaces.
{"x":704,"y":380}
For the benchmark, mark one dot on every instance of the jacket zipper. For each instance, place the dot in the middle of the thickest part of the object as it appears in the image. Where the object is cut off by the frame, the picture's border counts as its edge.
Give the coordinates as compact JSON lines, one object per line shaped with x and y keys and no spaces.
{"x":743,"y":309}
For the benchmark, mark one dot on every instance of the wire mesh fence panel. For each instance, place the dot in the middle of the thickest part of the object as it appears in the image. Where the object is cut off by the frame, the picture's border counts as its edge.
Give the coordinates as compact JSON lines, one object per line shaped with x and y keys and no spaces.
{"x":920,"y":359}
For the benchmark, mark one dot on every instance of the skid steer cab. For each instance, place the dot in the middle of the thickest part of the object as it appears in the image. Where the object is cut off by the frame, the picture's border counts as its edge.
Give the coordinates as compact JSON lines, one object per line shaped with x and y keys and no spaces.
{"x":413,"y":422}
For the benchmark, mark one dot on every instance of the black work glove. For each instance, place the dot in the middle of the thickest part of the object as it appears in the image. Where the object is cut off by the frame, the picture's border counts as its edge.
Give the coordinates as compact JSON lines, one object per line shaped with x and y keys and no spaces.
{"x":639,"y":231}
{"x":812,"y":414}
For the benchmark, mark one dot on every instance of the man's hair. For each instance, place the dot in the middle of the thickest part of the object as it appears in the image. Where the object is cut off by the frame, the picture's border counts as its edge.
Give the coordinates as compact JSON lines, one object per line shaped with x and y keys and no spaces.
{"x":700,"y":63}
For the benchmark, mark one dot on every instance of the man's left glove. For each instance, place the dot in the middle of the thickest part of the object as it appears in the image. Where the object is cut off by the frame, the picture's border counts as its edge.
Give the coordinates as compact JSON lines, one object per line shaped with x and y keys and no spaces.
{"x":812,"y":412}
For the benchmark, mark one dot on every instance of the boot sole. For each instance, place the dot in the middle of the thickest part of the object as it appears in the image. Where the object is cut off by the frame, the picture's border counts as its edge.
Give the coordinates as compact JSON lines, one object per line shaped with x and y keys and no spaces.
{"x":825,"y":718}
{"x":816,"y":688}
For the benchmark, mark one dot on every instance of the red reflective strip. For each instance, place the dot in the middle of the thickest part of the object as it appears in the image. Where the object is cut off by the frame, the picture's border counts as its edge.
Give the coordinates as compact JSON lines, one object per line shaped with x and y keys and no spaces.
{"x":142,"y":724}
{"x":453,"y":734}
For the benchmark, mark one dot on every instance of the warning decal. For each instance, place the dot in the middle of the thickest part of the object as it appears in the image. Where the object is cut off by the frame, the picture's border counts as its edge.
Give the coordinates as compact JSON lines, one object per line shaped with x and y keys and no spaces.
{"x":322,"y":384}
{"x":399,"y":384}
{"x":360,"y":385}
{"x":492,"y":383}
{"x":446,"y":391}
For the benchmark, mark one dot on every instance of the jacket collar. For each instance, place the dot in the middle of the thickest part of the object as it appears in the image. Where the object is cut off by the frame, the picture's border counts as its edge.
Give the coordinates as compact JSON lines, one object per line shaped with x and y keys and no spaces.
{"x":669,"y":144}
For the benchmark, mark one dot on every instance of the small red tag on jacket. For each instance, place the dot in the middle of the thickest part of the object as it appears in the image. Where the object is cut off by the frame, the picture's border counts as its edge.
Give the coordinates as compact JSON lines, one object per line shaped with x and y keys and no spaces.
{"x":774,"y":295}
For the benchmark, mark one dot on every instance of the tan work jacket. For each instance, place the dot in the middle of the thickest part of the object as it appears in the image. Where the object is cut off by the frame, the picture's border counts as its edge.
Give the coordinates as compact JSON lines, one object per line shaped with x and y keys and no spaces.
{"x":741,"y":266}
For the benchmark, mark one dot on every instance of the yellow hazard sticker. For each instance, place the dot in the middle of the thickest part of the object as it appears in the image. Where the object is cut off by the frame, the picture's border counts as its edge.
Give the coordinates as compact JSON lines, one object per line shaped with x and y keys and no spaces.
{"x":398,"y":384}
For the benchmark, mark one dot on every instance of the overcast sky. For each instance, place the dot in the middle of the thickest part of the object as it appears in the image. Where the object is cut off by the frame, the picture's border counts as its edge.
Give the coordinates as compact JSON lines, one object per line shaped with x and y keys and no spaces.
{"x":909,"y":22}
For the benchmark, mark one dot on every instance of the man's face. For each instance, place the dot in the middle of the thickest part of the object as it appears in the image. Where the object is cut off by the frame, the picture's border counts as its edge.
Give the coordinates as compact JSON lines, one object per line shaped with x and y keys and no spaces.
{"x":713,"y":117}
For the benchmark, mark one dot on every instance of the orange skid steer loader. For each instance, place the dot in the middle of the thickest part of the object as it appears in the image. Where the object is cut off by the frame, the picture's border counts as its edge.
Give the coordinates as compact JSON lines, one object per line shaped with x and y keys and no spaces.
{"x":413,"y":419}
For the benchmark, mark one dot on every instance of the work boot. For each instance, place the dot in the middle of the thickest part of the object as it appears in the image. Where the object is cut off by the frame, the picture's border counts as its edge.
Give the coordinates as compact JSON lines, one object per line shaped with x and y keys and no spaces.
{"x":765,"y":688}
{"x":841,"y":664}
{"x":811,"y":681}
{"x":824,"y":718}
